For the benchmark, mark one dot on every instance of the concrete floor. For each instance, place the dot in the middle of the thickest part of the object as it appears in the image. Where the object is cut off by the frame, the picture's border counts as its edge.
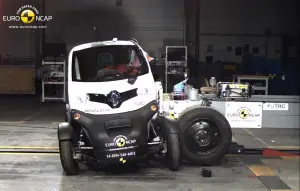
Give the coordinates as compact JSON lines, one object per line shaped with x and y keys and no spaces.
{"x":32,"y":172}
{"x":24,"y":122}
{"x":17,"y":109}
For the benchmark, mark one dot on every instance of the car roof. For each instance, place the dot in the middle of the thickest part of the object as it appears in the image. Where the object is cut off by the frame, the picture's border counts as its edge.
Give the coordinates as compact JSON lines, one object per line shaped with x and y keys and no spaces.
{"x":103,"y":43}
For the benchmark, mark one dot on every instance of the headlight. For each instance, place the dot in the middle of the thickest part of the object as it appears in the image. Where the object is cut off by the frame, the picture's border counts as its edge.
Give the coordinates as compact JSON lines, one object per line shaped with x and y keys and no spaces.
{"x":142,"y":91}
{"x":83,"y":99}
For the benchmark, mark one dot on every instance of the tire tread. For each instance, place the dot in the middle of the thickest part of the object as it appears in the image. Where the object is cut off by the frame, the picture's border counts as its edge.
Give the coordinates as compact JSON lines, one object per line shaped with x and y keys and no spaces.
{"x":69,"y":164}
{"x":173,"y":151}
{"x":222,"y":125}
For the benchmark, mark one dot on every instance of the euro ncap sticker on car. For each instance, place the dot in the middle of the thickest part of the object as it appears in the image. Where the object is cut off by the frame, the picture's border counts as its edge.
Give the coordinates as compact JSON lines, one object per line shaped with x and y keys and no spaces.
{"x":120,"y":141}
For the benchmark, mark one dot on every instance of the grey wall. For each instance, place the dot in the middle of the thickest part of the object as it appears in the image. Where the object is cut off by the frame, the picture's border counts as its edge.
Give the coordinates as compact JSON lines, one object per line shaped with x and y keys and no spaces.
{"x":239,"y":22}
{"x":271,"y":50}
{"x":154,"y":23}
{"x":249,"y":16}
{"x":17,"y":42}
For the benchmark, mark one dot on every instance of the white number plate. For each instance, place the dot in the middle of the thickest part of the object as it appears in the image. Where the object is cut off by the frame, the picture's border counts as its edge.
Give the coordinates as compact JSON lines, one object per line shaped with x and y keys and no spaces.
{"x":118,"y":155}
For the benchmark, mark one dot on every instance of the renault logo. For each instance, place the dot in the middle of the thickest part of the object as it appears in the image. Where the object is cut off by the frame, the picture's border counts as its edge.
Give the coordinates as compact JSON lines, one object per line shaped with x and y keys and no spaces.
{"x":114,"y":98}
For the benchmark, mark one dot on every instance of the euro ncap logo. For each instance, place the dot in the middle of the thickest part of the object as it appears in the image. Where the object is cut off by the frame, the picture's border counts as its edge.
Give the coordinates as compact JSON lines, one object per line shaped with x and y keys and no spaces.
{"x":27,"y":14}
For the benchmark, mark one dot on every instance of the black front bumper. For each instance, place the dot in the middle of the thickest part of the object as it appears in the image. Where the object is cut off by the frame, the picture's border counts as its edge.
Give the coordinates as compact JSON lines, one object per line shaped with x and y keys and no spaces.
{"x":117,"y":137}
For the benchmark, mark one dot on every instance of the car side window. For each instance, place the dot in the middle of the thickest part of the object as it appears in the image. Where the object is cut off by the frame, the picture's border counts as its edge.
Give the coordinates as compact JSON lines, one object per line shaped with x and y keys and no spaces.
{"x":77,"y":70}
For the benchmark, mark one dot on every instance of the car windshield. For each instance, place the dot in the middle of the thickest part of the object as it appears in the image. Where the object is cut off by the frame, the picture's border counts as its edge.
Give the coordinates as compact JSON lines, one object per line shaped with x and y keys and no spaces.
{"x":108,"y":63}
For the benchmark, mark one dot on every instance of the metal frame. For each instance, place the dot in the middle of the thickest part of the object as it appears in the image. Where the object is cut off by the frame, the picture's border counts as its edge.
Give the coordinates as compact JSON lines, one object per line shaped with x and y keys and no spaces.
{"x":57,"y":74}
{"x":265,"y":88}
{"x":167,"y":63}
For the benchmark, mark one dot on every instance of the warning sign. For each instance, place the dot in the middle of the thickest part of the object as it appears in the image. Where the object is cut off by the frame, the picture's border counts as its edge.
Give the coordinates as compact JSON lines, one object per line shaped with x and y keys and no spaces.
{"x":244,"y":114}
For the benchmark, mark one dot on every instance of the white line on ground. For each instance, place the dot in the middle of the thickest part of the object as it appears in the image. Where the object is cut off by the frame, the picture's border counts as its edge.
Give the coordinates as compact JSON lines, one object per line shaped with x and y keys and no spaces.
{"x":56,"y":123}
{"x":36,"y":113}
{"x":32,"y":154}
{"x":29,"y":147}
{"x":52,"y":175}
{"x":256,"y":137}
{"x":11,"y":122}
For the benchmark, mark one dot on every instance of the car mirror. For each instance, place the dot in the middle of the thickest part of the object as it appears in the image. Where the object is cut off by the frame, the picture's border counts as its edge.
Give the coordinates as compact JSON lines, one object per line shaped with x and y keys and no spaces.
{"x":152,"y":62}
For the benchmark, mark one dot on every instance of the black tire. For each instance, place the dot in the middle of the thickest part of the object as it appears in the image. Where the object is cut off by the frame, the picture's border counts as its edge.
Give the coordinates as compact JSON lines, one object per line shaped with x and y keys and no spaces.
{"x":173,"y":152}
{"x":68,"y":162}
{"x":221,"y":125}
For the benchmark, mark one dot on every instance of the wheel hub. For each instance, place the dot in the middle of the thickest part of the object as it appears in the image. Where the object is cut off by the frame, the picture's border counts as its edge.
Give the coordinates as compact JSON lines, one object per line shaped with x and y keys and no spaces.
{"x":202,"y":137}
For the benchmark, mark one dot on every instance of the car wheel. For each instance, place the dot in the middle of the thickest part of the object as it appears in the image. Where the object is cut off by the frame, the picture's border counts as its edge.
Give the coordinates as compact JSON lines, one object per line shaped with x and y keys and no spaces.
{"x":205,"y":136}
{"x":66,"y":151}
{"x":173,"y":152}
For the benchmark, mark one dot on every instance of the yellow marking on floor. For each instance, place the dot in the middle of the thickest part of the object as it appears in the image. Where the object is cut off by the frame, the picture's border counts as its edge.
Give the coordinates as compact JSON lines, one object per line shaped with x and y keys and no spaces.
{"x":28,"y":147}
{"x":261,"y":170}
{"x":56,"y":123}
{"x":284,"y":147}
{"x":11,"y":122}
{"x":290,"y":157}
{"x":32,"y":154}
{"x":233,"y":155}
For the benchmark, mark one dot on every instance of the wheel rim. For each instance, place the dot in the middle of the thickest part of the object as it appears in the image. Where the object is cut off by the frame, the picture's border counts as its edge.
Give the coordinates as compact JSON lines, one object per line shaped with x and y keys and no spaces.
{"x":202,"y":137}
{"x":75,"y":150}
